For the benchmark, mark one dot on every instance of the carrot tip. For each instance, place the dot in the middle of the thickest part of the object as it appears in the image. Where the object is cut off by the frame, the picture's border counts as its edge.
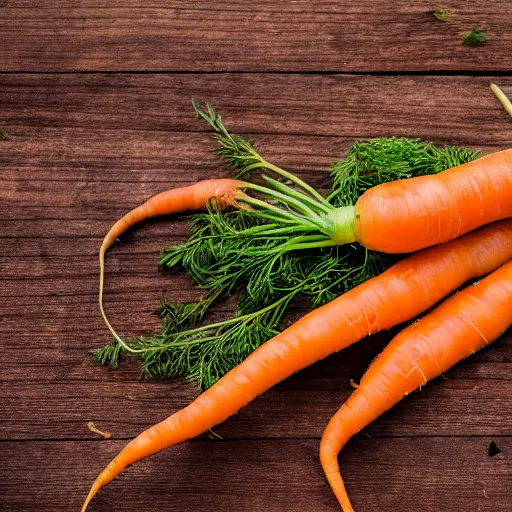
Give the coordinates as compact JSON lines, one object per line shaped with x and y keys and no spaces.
{"x":90,"y":496}
{"x":96,"y":486}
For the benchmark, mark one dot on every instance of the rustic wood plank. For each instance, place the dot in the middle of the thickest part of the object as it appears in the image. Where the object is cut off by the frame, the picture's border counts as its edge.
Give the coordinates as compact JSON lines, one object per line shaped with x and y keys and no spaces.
{"x":260,"y":36}
{"x":445,"y":474}
{"x":84,"y":149}
{"x":61,"y":391}
{"x":446,"y":109}
{"x":149,"y":156}
{"x":144,"y":155}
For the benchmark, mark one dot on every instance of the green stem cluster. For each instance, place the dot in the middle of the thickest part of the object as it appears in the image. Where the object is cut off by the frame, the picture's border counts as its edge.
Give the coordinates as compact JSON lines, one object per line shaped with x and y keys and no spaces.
{"x":300,"y":204}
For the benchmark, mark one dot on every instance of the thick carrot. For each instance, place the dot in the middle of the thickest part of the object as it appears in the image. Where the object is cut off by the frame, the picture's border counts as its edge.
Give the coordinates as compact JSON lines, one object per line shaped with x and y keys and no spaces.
{"x":459,"y":327}
{"x":399,"y":294}
{"x":407,"y":215}
{"x":178,"y":200}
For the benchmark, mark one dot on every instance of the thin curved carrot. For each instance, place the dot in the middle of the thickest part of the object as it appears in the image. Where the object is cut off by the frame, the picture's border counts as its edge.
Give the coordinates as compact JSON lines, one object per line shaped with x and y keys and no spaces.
{"x":407,"y":215}
{"x":399,"y":294}
{"x":178,"y":200}
{"x":463,"y":324}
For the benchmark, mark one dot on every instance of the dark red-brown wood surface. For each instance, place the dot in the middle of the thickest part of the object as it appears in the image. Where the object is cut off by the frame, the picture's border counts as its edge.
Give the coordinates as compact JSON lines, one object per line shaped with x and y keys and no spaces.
{"x":95,"y":97}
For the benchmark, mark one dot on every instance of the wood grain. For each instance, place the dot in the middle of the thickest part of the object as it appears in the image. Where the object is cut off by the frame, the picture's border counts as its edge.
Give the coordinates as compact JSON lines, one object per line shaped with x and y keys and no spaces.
{"x":257,"y":36}
{"x":60,"y":406}
{"x":82,"y":149}
{"x":454,"y":474}
{"x":446,"y":109}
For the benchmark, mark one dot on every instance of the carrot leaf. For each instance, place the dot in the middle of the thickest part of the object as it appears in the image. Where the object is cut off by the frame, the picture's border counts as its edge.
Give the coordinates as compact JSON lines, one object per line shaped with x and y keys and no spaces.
{"x":241,"y":155}
{"x":204,"y":353}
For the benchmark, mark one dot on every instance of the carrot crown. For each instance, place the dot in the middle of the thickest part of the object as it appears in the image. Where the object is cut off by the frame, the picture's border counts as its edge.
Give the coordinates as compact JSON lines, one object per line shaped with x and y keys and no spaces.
{"x":342,"y":222}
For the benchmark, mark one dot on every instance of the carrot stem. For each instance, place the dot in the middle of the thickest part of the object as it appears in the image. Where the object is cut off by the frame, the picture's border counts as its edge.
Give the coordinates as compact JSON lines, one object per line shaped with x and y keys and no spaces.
{"x":267,"y":206}
{"x":297,"y":181}
{"x":283,"y":198}
{"x":282,"y":187}
{"x":507,"y":105}
{"x":343,"y":219}
{"x":209,"y":327}
{"x":312,"y":245}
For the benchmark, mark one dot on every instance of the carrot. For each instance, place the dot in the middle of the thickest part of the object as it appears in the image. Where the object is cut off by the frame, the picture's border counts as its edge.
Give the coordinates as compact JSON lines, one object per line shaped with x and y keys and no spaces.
{"x":399,"y":216}
{"x":399,"y":294}
{"x":407,"y":215}
{"x":178,"y":200}
{"x":459,"y":327}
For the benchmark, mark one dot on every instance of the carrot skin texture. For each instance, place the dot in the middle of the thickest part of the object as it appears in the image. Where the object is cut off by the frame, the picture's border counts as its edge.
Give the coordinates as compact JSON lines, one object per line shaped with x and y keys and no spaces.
{"x":463,"y":324}
{"x":399,"y":294}
{"x":407,"y":215}
{"x":178,"y":200}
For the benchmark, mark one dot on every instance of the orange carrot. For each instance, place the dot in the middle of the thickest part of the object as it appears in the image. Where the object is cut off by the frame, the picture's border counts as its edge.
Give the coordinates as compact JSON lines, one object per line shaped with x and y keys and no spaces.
{"x":399,"y":294}
{"x":407,"y":215}
{"x":459,"y":327}
{"x":178,"y":200}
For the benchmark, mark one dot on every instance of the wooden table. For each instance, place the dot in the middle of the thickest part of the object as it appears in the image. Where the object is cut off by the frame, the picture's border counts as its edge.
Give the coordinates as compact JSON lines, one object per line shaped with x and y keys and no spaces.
{"x":95,"y":97}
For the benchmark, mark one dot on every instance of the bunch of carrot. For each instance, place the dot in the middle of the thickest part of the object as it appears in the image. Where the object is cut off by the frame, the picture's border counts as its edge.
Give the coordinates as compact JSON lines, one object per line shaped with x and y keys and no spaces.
{"x":429,"y":213}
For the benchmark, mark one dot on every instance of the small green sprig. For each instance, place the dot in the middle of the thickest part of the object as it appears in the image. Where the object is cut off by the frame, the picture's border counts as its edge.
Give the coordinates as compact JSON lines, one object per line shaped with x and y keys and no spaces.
{"x":476,"y":37}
